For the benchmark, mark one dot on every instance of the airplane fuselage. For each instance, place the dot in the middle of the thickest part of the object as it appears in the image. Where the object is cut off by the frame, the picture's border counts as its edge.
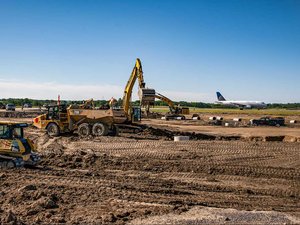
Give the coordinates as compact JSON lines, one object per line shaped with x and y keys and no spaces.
{"x":244,"y":104}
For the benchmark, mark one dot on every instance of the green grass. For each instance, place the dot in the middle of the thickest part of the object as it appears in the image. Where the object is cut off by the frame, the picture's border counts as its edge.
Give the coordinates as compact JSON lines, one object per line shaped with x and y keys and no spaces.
{"x":270,"y":112}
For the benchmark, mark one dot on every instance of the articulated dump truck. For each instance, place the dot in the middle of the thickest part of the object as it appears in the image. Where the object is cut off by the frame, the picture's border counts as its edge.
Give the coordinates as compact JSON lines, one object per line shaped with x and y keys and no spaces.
{"x":15,"y":149}
{"x":83,"y":119}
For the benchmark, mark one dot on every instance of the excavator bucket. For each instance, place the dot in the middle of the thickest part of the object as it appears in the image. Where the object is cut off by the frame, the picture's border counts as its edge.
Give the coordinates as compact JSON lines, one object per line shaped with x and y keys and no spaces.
{"x":147,"y":96}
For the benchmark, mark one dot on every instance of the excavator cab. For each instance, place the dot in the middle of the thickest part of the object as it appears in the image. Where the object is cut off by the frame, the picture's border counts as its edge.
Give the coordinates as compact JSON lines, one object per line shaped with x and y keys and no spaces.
{"x":55,"y":112}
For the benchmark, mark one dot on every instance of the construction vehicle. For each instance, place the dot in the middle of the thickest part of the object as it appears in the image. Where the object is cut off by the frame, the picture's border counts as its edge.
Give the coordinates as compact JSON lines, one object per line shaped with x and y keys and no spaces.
{"x":87,"y":120}
{"x":146,"y":95}
{"x":15,"y":150}
{"x":176,"y":112}
{"x":268,"y":121}
{"x":84,"y":119}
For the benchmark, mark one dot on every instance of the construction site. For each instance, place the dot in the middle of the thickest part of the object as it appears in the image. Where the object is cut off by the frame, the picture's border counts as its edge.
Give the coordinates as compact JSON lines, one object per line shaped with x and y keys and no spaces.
{"x":79,"y":164}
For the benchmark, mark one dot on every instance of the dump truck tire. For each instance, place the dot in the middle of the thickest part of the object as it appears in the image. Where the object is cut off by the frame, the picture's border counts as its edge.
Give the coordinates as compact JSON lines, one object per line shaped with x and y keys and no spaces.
{"x":10,"y":164}
{"x":99,"y":129}
{"x":84,"y":130}
{"x":115,"y":131}
{"x":3,"y":164}
{"x":53,"y":130}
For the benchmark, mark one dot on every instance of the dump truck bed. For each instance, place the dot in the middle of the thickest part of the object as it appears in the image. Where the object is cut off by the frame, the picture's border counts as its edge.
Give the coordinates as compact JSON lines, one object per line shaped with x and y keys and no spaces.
{"x":91,"y":115}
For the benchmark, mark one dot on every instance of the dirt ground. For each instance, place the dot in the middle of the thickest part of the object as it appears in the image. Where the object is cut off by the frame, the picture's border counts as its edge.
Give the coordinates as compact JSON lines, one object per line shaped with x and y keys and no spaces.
{"x":146,"y":178}
{"x":243,"y":131}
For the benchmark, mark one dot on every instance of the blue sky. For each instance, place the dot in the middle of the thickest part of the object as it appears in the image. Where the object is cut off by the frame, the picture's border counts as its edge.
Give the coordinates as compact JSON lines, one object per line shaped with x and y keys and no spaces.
{"x":248,"y":50}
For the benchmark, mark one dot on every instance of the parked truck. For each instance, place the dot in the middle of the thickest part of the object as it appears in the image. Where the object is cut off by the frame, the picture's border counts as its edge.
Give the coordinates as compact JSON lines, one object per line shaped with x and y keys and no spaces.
{"x":268,"y":121}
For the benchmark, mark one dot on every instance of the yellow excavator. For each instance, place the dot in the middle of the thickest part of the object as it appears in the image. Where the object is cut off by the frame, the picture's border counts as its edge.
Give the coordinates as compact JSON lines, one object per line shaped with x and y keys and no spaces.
{"x":15,"y":149}
{"x":146,"y":95}
{"x":175,"y":111}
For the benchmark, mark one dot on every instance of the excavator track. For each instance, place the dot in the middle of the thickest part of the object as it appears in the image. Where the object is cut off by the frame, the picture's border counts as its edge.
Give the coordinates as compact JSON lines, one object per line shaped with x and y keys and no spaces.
{"x":8,"y":162}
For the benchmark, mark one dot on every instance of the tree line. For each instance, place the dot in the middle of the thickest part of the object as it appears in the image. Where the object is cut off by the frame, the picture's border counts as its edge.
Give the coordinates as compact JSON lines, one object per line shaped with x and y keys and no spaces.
{"x":97,"y":103}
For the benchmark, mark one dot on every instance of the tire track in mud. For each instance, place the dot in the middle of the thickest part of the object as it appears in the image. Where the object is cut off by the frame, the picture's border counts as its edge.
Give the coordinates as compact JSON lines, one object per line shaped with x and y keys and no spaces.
{"x":166,"y":183}
{"x":220,"y":160}
{"x":162,"y":175}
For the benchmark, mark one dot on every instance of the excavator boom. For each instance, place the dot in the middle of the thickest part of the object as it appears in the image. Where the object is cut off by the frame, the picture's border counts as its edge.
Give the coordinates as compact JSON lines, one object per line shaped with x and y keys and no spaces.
{"x":174,"y":110}
{"x":165,"y":99}
{"x":137,"y":72}
{"x":146,"y":95}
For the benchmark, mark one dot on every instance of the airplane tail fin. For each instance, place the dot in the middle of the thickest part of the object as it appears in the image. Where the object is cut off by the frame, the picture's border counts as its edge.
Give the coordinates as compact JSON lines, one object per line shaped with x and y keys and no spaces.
{"x":220,"y":97}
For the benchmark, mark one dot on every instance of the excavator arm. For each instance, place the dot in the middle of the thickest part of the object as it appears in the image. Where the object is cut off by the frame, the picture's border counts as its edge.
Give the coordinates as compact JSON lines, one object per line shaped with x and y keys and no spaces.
{"x":174,"y":109}
{"x":146,"y":95}
{"x":137,"y":72}
{"x":88,"y":104}
{"x":166,"y":100}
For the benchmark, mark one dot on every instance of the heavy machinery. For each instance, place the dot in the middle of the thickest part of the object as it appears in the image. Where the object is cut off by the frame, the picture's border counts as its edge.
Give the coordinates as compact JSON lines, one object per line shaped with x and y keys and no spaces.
{"x":84,"y":119}
{"x":146,"y":95}
{"x":175,"y":111}
{"x":15,"y":150}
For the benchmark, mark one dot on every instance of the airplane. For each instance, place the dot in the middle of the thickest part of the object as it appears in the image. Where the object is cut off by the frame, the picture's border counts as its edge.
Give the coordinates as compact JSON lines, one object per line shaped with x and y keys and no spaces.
{"x":240,"y":104}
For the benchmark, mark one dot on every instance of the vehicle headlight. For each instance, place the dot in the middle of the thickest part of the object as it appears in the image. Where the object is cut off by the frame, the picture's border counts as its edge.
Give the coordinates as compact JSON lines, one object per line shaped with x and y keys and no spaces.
{"x":15,"y":147}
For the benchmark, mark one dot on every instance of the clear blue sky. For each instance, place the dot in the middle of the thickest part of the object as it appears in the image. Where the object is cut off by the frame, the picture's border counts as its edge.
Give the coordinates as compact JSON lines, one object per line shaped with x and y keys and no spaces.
{"x":248,"y":50}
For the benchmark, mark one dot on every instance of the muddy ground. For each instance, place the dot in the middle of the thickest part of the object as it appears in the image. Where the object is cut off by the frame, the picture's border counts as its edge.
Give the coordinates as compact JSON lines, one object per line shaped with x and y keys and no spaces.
{"x":290,"y":131}
{"x":146,"y":178}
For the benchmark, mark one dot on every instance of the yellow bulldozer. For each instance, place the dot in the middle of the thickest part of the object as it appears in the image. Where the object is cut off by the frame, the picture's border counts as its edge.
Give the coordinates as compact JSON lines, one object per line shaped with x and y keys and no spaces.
{"x":15,"y":150}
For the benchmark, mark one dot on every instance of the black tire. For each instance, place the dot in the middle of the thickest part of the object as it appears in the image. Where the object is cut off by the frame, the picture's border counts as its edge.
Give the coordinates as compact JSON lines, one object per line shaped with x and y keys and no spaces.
{"x":84,"y":130}
{"x":183,"y":118}
{"x":99,"y":129}
{"x":115,"y":131}
{"x":10,"y":164}
{"x":4,"y":164}
{"x":53,"y":130}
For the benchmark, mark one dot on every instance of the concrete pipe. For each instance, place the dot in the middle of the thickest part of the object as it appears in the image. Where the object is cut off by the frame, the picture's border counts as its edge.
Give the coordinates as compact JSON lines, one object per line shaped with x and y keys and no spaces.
{"x":237,"y":119}
{"x":181,"y":138}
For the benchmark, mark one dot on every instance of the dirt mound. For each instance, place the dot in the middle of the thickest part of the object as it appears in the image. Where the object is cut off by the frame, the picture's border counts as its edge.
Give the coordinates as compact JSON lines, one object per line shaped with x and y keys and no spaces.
{"x":40,"y":202}
{"x":78,"y":159}
{"x":204,"y":215}
{"x":155,"y":133}
{"x":8,"y":217}
{"x":114,"y":182}
{"x":118,"y":180}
